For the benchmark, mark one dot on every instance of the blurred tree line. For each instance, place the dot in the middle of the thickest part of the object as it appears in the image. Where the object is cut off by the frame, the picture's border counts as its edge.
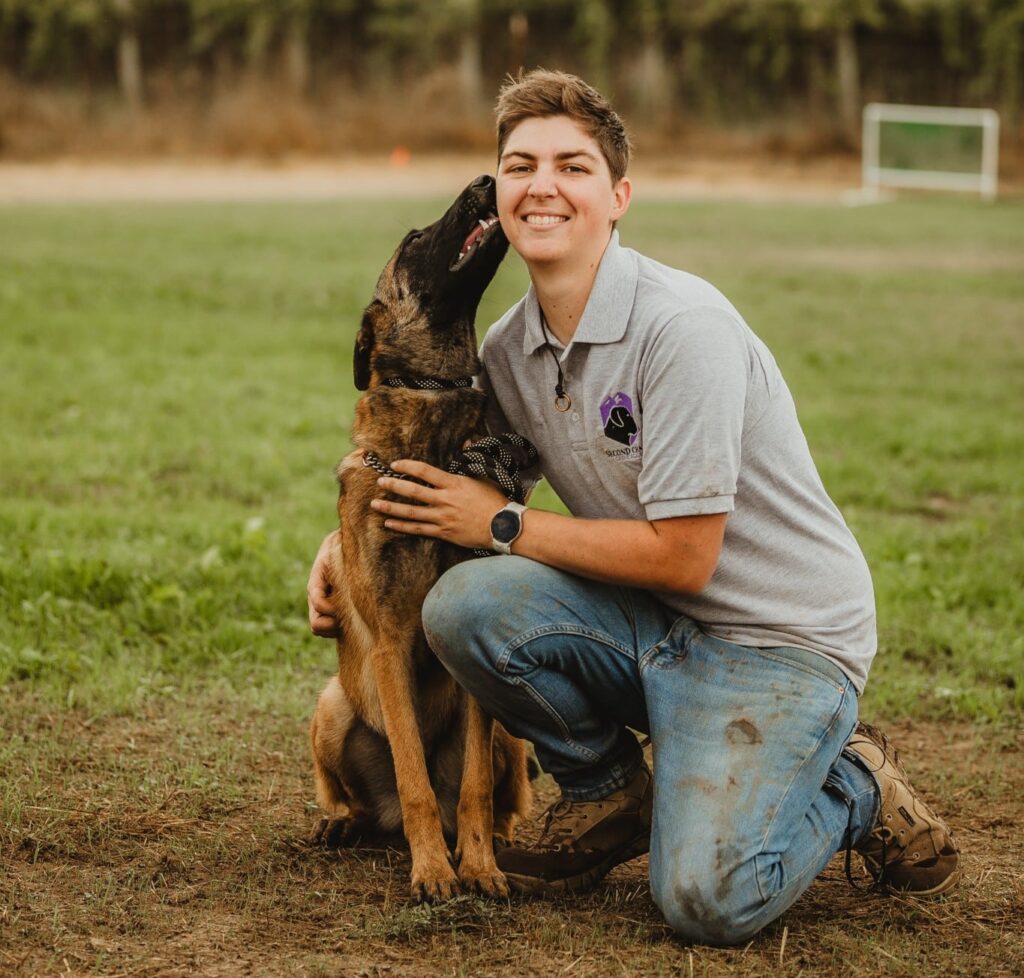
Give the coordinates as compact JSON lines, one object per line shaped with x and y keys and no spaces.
{"x":664,"y":61}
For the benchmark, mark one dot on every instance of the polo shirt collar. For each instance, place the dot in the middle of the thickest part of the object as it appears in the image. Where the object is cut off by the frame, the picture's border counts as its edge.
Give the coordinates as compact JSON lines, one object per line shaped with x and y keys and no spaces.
{"x":607,"y":311}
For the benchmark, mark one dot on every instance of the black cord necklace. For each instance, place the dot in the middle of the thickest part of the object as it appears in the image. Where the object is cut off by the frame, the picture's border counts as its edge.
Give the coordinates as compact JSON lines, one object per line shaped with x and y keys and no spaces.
{"x":562,"y":400}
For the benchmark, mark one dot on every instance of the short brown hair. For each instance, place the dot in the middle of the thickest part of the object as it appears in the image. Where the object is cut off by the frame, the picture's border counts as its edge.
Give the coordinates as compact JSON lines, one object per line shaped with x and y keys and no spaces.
{"x":540,"y":93}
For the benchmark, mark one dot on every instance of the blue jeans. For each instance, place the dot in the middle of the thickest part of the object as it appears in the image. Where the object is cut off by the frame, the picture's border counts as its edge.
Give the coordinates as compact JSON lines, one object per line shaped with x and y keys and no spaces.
{"x":753,"y":794}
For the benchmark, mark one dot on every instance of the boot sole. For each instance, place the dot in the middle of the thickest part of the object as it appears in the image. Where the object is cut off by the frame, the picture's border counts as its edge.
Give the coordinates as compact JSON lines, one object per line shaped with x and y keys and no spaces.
{"x":535,"y":886}
{"x":945,"y":886}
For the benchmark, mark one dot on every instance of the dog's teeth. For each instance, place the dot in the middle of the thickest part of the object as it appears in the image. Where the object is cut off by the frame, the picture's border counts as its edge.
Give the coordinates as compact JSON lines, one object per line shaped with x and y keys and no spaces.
{"x":484,"y":224}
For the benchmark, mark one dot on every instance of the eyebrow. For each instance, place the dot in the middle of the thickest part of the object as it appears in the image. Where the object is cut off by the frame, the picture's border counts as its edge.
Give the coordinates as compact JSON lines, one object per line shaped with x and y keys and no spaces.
{"x":559,"y":157}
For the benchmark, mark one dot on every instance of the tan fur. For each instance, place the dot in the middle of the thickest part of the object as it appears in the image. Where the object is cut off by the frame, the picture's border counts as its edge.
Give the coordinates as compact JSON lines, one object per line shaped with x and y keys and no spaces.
{"x":395,"y":741}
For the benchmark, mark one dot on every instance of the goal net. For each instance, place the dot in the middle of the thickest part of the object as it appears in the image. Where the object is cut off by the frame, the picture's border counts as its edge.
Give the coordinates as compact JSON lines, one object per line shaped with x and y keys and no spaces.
{"x":930,"y":148}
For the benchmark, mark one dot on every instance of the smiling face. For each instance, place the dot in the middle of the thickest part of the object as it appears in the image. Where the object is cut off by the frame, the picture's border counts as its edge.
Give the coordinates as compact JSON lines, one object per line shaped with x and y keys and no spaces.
{"x":556,"y":198}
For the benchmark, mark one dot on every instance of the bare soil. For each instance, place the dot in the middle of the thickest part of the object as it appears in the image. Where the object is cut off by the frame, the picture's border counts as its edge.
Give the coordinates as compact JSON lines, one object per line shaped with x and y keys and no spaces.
{"x":172,"y":844}
{"x":66,"y":180}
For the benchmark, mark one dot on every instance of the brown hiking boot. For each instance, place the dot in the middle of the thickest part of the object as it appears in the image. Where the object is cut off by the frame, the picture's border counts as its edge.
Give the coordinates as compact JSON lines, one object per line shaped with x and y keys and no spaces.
{"x":909,"y":848}
{"x":583,"y":840}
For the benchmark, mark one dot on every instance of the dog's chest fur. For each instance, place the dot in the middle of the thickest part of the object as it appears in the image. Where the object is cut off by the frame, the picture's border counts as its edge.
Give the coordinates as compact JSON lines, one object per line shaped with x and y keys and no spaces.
{"x":388,"y":574}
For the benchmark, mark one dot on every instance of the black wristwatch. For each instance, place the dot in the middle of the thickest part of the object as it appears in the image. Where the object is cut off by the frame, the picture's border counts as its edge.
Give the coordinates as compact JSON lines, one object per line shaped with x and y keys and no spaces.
{"x":506,"y":526}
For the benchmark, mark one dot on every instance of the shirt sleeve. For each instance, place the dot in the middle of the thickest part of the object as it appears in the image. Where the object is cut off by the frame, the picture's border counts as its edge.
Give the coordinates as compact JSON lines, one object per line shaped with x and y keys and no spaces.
{"x":694,"y":380}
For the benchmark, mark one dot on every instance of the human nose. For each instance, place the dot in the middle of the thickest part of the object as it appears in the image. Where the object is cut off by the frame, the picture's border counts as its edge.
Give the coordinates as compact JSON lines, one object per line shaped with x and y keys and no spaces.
{"x":543,"y":184}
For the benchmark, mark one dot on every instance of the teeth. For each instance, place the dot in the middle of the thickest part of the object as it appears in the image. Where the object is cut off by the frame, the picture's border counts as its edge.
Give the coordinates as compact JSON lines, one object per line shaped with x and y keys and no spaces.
{"x":486,"y":224}
{"x":543,"y":219}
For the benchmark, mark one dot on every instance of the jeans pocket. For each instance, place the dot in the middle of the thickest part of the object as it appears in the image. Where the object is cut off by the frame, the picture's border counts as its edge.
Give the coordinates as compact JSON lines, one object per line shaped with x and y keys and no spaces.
{"x":673,"y":648}
{"x":811,"y":663}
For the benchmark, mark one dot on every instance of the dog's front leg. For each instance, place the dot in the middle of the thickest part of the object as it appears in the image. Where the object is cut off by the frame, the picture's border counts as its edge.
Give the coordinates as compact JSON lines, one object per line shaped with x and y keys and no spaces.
{"x":433,"y":877}
{"x":475,"y":853}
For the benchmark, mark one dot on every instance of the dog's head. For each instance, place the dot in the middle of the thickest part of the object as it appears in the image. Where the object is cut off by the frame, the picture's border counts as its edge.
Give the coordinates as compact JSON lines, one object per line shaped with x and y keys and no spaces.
{"x":420,"y":321}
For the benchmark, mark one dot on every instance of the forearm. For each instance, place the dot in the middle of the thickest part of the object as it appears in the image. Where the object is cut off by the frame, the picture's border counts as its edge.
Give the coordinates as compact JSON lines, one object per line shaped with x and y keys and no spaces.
{"x":634,"y":553}
{"x":675,"y":554}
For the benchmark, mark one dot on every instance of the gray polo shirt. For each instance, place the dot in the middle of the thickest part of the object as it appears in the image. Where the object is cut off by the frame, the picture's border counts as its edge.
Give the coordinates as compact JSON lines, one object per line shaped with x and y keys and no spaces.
{"x":679,"y":409}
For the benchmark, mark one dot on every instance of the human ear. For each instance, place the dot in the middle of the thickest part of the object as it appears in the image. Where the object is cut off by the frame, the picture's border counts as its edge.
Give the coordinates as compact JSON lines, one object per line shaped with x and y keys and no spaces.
{"x":622,"y":192}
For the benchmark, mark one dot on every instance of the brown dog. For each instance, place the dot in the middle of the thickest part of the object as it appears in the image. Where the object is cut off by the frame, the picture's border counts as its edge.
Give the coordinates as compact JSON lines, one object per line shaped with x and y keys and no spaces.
{"x":395,"y":740}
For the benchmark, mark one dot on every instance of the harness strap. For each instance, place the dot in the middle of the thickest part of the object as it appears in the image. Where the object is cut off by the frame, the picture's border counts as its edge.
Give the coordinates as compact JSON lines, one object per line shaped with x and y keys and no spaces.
{"x":497,"y":458}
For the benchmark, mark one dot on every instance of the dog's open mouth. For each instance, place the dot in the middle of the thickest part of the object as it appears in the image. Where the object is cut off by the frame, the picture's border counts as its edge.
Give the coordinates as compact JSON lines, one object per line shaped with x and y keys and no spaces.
{"x":471,"y":245}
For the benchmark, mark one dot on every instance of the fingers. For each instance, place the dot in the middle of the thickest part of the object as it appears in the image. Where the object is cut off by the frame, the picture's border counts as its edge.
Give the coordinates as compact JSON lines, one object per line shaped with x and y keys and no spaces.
{"x":422,"y":470}
{"x":324,"y":626}
{"x":416,"y":529}
{"x":319,"y":602}
{"x":403,"y":510}
{"x":410,"y":490}
{"x":321,"y":612}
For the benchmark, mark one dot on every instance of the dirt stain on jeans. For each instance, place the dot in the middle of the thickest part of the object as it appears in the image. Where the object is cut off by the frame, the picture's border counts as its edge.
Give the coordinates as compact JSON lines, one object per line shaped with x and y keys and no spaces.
{"x":743,"y":732}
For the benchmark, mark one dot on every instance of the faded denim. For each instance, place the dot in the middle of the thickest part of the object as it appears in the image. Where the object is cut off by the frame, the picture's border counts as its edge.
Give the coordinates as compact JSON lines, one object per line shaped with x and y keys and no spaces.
{"x":753,"y":794}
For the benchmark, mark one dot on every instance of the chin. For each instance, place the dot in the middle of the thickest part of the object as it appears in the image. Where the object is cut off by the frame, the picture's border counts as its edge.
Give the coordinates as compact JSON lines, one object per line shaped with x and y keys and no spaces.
{"x":543,"y":252}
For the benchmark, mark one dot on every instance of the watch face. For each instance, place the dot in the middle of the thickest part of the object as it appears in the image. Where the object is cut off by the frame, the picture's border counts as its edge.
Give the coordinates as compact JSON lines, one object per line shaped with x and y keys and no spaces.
{"x":505,"y":526}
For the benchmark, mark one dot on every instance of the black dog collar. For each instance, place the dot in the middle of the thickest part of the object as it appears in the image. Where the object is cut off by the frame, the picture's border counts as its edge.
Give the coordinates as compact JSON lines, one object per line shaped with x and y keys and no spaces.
{"x":428,"y":383}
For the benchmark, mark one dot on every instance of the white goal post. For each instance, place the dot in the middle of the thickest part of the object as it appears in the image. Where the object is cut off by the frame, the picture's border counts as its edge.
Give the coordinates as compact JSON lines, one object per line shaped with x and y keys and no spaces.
{"x":905,"y":146}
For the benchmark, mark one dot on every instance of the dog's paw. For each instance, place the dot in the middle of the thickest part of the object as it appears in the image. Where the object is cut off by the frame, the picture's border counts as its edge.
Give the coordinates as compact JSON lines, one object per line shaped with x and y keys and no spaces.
{"x":487,"y":881}
{"x":336,"y":833}
{"x":434,"y":886}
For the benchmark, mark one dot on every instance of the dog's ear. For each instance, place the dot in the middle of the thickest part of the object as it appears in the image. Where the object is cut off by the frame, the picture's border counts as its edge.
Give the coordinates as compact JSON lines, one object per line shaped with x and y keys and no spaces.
{"x":361,"y":356}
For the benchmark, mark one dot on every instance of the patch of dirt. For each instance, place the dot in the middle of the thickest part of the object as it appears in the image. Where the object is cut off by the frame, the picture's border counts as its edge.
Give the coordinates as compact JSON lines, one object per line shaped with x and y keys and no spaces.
{"x":69,"y":180}
{"x":173,"y":844}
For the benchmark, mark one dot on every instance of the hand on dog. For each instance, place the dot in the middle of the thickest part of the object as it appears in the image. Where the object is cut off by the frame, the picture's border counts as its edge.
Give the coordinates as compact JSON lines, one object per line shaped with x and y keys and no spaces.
{"x":321,"y":612}
{"x":450,"y":507}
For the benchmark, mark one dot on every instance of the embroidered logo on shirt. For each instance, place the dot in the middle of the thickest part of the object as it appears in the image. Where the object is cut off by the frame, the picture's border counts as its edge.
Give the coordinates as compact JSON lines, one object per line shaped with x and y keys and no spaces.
{"x":617,"y":418}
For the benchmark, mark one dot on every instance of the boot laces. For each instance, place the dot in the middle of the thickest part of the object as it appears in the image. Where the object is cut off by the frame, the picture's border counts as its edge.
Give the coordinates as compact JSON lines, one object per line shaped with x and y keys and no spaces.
{"x":561,"y":824}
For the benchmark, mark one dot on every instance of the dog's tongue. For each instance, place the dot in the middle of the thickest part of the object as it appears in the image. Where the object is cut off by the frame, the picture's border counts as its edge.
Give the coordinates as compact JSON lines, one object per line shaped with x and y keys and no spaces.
{"x":481,"y":227}
{"x":474,"y":236}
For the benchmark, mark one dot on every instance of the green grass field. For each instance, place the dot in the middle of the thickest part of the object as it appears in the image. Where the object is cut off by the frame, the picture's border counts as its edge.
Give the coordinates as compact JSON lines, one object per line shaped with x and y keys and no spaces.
{"x":175,"y":388}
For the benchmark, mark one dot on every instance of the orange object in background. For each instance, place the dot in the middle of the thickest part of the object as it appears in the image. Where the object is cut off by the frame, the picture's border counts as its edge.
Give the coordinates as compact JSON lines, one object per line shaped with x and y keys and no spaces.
{"x":400,"y":156}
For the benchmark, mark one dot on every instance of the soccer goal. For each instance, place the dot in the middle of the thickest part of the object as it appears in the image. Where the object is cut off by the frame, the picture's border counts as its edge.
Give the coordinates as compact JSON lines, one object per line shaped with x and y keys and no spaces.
{"x":930,"y":148}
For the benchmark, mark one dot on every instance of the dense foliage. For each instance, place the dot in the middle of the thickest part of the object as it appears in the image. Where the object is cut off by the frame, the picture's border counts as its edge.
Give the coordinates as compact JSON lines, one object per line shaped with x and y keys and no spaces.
{"x":722,"y":59}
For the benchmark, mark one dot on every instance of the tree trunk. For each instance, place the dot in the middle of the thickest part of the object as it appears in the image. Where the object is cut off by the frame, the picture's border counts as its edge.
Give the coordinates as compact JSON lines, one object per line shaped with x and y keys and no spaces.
{"x":468,"y":64}
{"x":129,"y":57}
{"x":129,"y":67}
{"x":816,"y":70}
{"x":848,"y":83}
{"x":652,"y":83}
{"x":518,"y":34}
{"x":595,"y":27}
{"x":469,"y":68}
{"x":296,"y":54}
{"x":258,"y":36}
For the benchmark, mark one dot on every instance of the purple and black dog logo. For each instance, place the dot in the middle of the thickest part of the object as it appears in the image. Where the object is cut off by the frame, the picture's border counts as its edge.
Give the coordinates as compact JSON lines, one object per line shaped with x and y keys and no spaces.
{"x":617,"y":418}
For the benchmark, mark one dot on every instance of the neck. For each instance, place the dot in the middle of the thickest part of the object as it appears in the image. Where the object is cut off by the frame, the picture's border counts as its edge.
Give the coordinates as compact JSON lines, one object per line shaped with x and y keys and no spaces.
{"x":563,"y":291}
